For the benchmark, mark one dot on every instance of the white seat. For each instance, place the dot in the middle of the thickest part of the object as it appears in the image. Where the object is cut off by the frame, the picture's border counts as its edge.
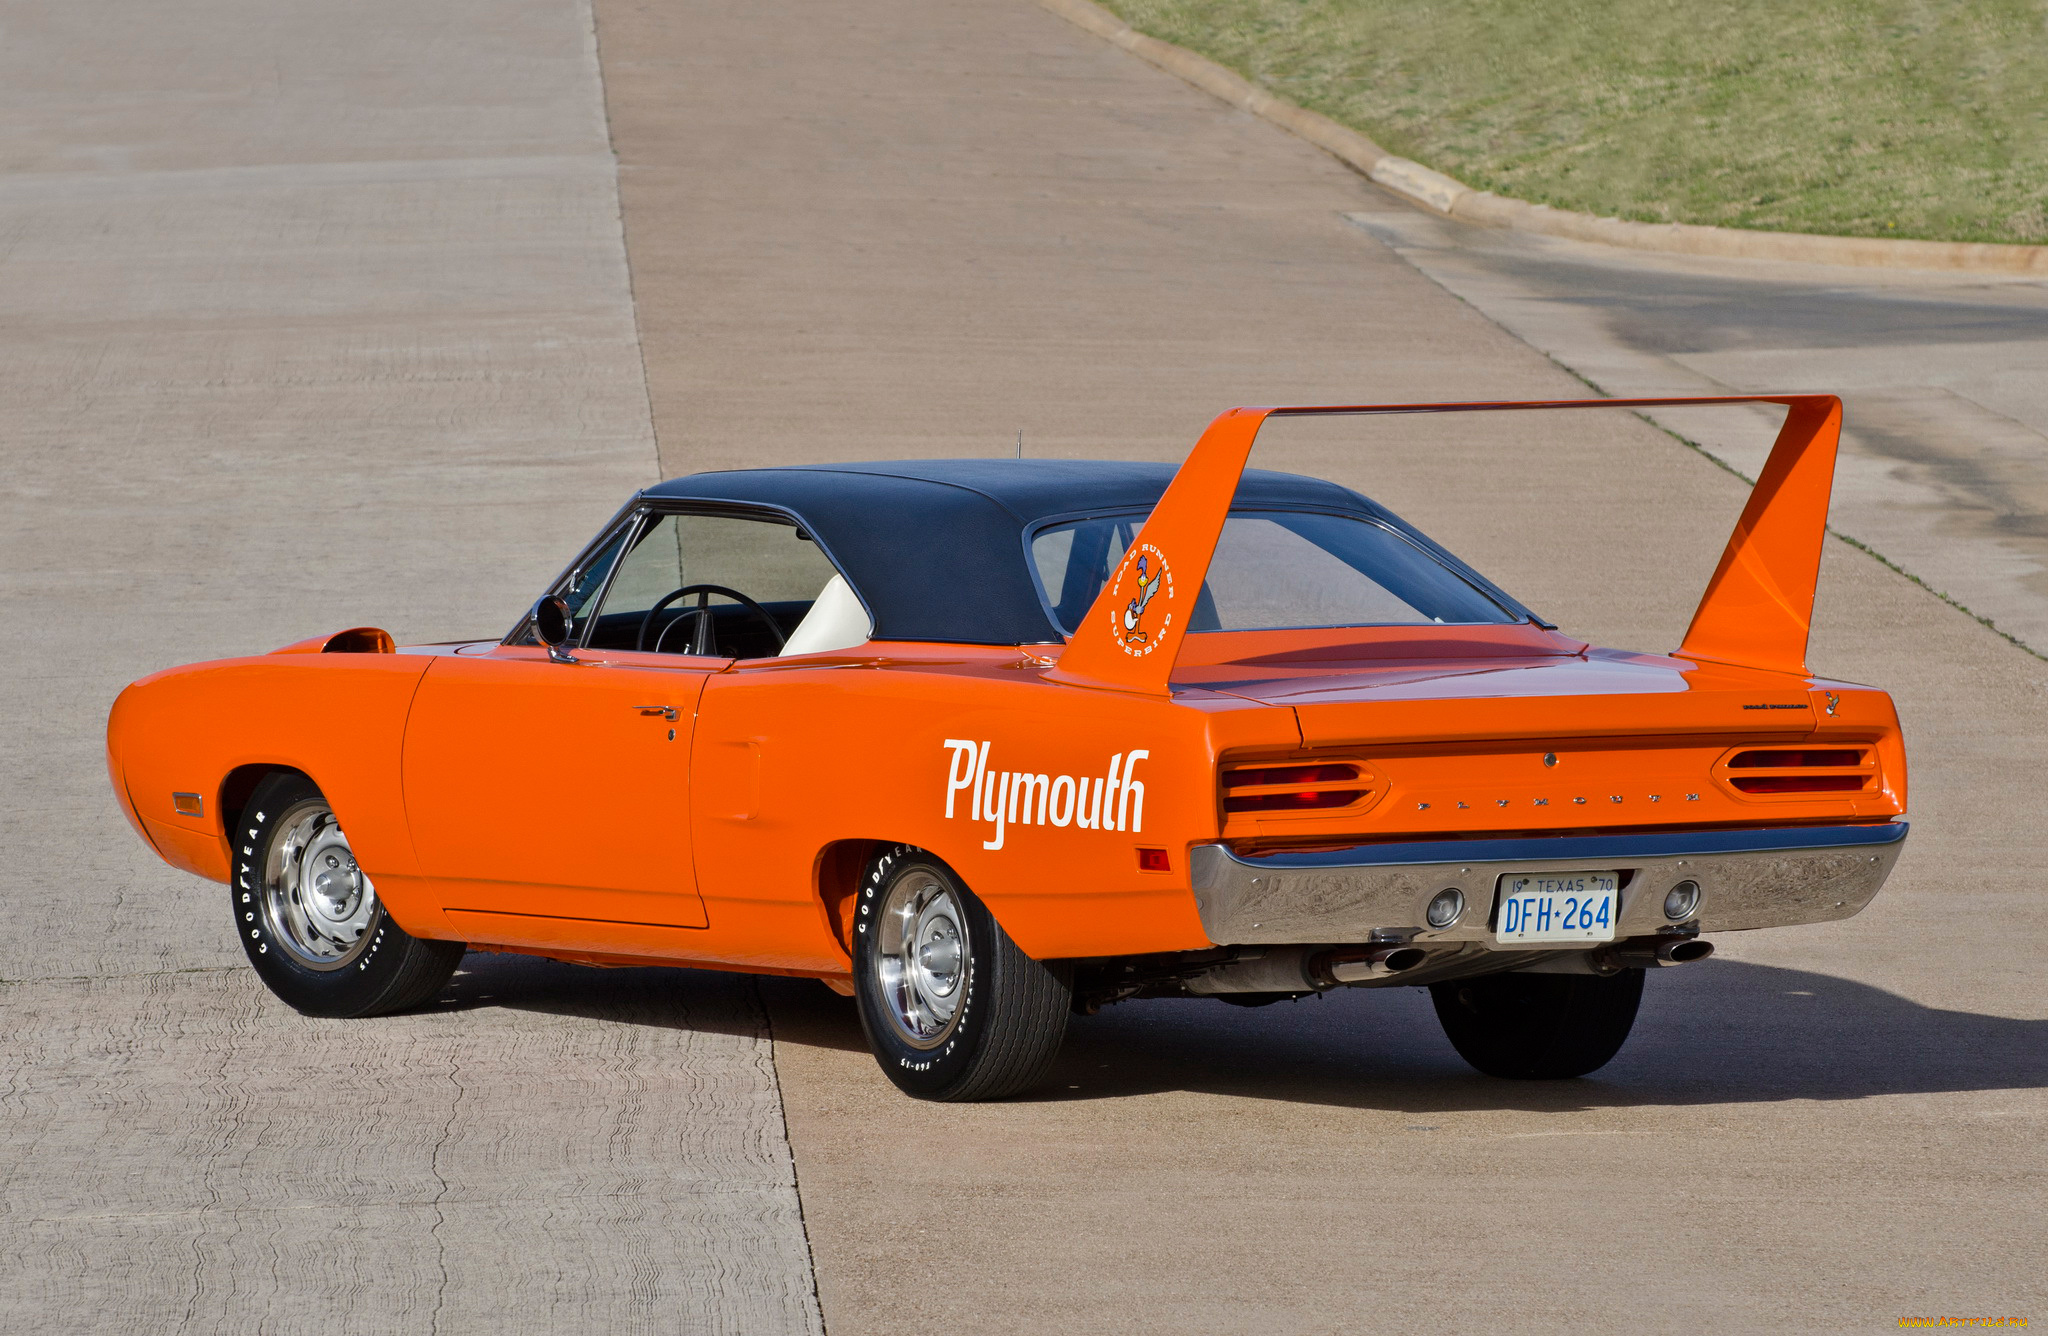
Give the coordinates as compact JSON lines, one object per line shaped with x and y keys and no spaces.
{"x":836,"y":621}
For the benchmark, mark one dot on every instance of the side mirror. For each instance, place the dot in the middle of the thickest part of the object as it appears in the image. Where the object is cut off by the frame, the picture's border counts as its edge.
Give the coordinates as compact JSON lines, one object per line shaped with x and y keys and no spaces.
{"x":552,"y":626}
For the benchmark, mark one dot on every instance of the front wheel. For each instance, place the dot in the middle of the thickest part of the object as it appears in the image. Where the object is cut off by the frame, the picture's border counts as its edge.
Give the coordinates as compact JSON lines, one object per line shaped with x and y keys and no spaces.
{"x":309,"y":918}
{"x":953,"y":1009}
{"x":1539,"y":1027}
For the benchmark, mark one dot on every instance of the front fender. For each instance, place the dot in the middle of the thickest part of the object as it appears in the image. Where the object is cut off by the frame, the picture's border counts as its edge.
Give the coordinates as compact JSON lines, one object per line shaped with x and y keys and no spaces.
{"x":338,"y":718}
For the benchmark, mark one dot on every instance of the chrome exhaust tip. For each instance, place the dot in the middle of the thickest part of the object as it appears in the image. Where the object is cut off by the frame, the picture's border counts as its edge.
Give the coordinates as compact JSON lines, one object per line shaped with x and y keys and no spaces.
{"x":1634,"y":953}
{"x":1652,"y":952}
{"x":1379,"y":964}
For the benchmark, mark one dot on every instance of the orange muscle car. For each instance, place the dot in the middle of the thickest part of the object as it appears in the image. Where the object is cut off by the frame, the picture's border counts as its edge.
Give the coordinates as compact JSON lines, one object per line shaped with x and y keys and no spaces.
{"x":983,"y":743}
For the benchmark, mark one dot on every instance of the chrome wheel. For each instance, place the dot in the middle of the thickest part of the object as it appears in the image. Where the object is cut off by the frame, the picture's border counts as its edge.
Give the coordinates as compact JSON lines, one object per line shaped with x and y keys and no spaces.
{"x":923,"y":958}
{"x":317,"y":902}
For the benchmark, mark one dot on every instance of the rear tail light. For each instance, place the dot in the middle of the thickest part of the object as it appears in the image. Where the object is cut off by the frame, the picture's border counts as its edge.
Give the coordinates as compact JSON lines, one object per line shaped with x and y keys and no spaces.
{"x":1293,"y":788}
{"x":1798,"y":783}
{"x":1770,"y":770}
{"x":1774,"y":759}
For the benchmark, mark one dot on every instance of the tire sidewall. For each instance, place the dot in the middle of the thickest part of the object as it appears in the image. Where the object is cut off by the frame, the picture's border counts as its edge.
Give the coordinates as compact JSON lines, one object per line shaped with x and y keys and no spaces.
{"x":350,"y":991}
{"x":926,"y":1072}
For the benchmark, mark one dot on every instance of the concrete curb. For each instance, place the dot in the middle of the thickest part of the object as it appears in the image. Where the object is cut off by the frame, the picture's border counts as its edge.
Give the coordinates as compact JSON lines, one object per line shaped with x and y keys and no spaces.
{"x":1454,"y":199}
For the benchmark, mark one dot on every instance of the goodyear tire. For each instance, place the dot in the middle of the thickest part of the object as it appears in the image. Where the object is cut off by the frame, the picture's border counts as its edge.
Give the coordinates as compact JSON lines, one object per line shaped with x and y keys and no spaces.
{"x":1539,"y":1027}
{"x":953,"y":1009}
{"x":309,"y":918}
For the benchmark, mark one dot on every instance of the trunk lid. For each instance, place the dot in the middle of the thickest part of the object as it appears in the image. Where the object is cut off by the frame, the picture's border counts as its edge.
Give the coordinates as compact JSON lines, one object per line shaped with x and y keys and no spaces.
{"x":1448,"y":733}
{"x":1597,"y":693}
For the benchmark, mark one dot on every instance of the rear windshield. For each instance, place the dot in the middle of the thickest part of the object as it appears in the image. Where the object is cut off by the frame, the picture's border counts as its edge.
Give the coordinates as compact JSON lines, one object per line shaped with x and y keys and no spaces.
{"x":1275,"y":570}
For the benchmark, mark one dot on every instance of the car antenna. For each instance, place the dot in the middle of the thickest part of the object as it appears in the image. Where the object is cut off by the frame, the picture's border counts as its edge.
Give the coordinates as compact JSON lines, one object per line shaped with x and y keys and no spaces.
{"x":1020,"y":443}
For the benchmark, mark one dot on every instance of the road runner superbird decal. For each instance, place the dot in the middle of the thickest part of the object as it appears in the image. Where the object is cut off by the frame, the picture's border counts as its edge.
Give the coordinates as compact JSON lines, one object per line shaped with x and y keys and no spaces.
{"x":1142,"y":578}
{"x":1114,"y":802}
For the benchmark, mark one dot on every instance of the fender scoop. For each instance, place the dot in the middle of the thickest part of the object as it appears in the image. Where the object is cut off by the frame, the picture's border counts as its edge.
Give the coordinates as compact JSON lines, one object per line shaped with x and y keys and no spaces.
{"x":355,"y":640}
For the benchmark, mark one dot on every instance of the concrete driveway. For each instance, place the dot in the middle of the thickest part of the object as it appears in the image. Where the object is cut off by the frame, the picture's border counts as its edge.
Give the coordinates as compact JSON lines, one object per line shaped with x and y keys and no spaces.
{"x":320,"y":318}
{"x":1944,"y":379}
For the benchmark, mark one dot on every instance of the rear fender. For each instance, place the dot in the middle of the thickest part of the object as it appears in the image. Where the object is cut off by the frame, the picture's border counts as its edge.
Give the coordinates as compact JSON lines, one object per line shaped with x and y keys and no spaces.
{"x":797,"y":773}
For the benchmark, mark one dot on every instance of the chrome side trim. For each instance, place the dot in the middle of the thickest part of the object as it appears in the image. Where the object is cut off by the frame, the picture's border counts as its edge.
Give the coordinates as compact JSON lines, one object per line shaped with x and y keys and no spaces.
{"x":1748,"y":879}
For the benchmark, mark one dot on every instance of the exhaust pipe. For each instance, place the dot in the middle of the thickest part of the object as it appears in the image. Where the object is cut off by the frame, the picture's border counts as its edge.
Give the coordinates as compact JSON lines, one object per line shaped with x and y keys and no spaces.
{"x":1650,"y":952}
{"x":1278,"y":970}
{"x":1291,"y":969}
{"x":1377,"y":964}
{"x":1634,"y":953}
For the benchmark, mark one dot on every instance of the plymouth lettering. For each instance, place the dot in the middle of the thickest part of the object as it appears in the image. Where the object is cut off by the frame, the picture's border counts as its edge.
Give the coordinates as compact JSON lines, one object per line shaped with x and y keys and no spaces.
{"x":1003,"y":798}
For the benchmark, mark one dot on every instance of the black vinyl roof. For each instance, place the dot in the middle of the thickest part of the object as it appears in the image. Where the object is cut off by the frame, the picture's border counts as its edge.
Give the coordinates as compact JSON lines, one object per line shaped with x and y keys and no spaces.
{"x":937,"y":548}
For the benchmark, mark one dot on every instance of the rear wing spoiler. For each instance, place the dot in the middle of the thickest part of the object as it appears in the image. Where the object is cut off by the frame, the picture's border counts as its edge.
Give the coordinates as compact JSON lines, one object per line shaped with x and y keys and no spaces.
{"x":1757,"y":610}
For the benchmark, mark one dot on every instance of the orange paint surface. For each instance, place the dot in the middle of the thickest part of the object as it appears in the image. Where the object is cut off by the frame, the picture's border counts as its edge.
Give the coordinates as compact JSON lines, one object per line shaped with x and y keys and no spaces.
{"x":635,"y":807}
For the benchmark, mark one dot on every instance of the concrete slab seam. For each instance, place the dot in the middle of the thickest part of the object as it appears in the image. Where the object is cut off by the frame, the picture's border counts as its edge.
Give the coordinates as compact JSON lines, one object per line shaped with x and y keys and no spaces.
{"x":814,"y":1314}
{"x":594,"y":49}
{"x":1713,"y":456}
{"x":1865,"y":548}
{"x":1367,"y":222}
{"x":1454,"y":199}
{"x":815,"y":1301}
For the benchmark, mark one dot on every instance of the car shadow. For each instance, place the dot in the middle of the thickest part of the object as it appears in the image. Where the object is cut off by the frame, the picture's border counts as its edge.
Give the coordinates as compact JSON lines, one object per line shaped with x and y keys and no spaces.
{"x":1719,"y":1032}
{"x":1714,"y":1033}
{"x":697,"y":1001}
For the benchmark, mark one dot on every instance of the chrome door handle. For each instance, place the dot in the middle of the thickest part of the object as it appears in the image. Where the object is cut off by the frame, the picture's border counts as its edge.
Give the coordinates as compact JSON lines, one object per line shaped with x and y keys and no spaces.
{"x":667,"y":712}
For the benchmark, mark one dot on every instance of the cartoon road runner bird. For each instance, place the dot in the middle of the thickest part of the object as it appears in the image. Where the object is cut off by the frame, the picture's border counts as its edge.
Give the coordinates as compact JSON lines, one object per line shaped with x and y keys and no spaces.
{"x":1136,"y":609}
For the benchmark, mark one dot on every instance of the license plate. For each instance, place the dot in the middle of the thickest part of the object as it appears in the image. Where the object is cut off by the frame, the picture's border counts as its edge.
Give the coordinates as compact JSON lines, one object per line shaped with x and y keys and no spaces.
{"x":1557,"y":907}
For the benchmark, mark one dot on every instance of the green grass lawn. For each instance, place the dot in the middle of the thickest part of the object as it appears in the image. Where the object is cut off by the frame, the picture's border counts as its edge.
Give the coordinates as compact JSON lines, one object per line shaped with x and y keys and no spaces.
{"x":1905,"y":118}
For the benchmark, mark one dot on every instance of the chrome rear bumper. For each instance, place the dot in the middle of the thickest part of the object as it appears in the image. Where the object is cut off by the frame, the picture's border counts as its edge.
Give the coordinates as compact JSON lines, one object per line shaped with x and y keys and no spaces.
{"x":1747,"y":878}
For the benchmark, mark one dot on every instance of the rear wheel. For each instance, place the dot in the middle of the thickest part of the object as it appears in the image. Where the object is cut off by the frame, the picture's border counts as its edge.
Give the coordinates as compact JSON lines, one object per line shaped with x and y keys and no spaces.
{"x":953,"y":1009}
{"x":1539,"y":1027}
{"x":309,"y":918}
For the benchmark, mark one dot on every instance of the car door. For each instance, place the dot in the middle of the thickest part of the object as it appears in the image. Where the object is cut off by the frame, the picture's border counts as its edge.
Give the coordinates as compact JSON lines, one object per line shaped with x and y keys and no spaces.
{"x":548,"y":791}
{"x":551,"y":800}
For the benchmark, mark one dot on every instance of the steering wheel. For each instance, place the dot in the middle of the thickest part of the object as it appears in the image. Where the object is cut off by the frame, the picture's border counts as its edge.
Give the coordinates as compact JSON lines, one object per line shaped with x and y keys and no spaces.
{"x":702,"y":640}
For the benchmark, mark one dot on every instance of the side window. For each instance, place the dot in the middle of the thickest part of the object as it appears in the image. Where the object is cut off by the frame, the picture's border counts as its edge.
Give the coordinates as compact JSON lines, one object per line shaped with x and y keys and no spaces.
{"x":584,"y":582}
{"x":768,"y":560}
